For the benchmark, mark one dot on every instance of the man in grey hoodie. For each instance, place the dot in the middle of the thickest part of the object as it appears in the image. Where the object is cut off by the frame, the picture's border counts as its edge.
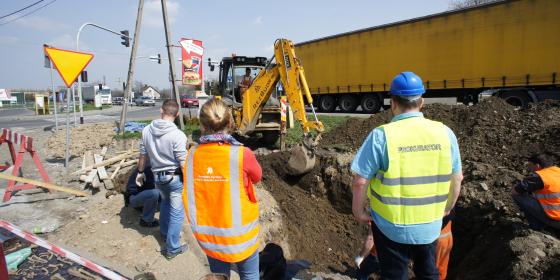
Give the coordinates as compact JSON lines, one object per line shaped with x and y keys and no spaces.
{"x":166,"y":148}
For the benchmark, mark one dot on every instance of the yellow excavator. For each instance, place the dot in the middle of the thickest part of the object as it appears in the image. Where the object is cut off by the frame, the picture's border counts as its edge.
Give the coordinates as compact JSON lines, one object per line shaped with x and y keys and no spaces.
{"x":256,"y":108}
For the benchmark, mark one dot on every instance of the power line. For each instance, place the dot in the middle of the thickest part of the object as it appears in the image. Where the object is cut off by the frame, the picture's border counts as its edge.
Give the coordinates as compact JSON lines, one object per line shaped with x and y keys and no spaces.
{"x":24,"y":8}
{"x":24,"y":15}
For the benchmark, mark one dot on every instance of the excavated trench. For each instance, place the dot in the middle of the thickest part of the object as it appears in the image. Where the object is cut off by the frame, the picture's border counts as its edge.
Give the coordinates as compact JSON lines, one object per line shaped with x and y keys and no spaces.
{"x":491,"y":238}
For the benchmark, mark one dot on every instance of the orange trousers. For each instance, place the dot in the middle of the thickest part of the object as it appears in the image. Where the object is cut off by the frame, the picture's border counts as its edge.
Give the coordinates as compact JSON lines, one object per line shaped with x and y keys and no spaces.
{"x":443,"y":250}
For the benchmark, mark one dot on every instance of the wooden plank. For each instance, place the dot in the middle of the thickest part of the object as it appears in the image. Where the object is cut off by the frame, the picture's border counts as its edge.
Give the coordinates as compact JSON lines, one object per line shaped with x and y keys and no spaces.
{"x":129,"y":163}
{"x":117,"y":169}
{"x":88,"y":157}
{"x":108,"y":184}
{"x":105,"y":162}
{"x":91,"y":175}
{"x":101,"y":169}
{"x":103,"y":151}
{"x":95,"y":183}
{"x":42,"y":184}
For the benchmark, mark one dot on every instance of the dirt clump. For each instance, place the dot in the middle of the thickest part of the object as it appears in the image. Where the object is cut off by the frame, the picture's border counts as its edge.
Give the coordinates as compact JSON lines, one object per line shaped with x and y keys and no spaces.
{"x":492,"y":239}
{"x":82,"y":138}
{"x":324,"y":233}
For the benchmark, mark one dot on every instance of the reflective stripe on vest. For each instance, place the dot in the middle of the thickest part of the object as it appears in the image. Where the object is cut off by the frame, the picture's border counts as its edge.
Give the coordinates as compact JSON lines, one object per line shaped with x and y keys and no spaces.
{"x":415,"y":188}
{"x":549,"y":195}
{"x":223,"y":220}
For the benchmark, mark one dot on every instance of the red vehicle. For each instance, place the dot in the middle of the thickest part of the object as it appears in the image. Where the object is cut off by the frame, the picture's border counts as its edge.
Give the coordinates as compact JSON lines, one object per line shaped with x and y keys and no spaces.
{"x":188,"y":101}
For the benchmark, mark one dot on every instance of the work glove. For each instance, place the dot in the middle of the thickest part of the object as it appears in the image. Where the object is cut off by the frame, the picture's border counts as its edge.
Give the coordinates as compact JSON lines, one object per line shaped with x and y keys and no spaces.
{"x":140,"y":178}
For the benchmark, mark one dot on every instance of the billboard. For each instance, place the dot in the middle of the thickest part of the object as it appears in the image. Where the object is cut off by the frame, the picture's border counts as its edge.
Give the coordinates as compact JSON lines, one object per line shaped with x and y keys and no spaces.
{"x":192,"y":51}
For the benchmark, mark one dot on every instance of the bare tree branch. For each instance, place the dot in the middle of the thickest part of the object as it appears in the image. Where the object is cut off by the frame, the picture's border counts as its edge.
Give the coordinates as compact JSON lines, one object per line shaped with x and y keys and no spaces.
{"x":461,"y":4}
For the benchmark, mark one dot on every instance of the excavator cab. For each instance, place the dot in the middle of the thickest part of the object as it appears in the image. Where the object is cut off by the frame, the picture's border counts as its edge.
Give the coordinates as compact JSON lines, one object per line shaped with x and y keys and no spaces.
{"x":231,"y":72}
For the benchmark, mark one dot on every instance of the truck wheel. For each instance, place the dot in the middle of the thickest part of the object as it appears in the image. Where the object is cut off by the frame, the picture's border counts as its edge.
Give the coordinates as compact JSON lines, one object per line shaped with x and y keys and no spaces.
{"x":270,"y":137}
{"x":371,"y":103}
{"x":515,"y":98}
{"x":348,"y":103}
{"x":327,"y":104}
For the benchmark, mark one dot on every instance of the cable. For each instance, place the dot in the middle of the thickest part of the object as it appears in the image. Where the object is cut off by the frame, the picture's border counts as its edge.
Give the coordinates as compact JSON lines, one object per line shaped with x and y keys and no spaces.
{"x":24,"y":15}
{"x":22,"y":9}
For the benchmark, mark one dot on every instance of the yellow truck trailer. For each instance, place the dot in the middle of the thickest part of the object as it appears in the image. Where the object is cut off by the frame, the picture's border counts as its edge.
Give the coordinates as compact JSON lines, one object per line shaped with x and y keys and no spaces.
{"x":510,"y":48}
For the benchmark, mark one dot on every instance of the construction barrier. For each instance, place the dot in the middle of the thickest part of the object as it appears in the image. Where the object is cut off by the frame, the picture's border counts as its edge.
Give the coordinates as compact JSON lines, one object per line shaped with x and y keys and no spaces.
{"x":26,"y":146}
{"x":60,"y":251}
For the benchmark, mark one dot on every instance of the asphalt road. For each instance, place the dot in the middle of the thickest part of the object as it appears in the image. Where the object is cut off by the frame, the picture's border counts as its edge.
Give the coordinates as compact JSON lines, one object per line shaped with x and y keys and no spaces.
{"x":24,"y":118}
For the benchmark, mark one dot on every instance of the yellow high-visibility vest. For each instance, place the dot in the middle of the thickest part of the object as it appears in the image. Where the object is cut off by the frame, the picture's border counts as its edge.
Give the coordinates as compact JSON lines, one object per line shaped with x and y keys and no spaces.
{"x":415,"y":188}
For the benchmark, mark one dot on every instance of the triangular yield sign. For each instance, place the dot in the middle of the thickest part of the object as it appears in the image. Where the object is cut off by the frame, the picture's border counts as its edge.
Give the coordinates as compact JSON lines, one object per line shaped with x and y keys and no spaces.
{"x":69,"y":64}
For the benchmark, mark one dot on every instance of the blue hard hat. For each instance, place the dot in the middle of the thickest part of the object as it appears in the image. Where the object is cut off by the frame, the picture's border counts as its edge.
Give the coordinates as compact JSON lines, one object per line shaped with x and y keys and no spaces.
{"x":407,"y":84}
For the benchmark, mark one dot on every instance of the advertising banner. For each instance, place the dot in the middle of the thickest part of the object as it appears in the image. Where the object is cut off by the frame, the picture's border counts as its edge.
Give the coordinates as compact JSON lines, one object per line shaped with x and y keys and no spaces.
{"x":192,"y":51}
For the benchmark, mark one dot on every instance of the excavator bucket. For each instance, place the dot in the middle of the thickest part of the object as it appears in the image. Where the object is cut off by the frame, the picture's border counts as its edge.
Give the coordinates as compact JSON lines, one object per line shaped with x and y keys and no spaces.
{"x":301,"y":161}
{"x":302,"y":156}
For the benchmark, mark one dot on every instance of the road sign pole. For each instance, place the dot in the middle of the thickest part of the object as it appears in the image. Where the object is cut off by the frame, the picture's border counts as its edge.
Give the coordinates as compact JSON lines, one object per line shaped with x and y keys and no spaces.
{"x":74,"y":106}
{"x":55,"y":99}
{"x":80,"y":98}
{"x":130,"y":77}
{"x":67,"y":152}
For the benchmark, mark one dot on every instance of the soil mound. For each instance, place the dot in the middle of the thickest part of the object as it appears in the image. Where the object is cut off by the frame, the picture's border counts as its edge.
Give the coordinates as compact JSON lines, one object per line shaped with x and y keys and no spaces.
{"x":82,"y":138}
{"x":491,"y":236}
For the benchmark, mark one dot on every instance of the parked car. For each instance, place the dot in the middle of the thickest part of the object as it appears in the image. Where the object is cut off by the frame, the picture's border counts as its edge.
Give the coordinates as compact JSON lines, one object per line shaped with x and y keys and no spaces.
{"x":188,"y":101}
{"x":144,"y":101}
{"x":118,"y":100}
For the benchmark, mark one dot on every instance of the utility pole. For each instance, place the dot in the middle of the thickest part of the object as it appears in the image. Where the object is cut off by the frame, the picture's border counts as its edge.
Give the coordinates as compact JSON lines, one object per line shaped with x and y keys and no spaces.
{"x":171,"y":62}
{"x":131,"y":65}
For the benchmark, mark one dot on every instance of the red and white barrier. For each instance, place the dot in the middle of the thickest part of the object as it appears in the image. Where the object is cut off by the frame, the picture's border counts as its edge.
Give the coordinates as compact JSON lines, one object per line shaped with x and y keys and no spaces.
{"x":60,"y":251}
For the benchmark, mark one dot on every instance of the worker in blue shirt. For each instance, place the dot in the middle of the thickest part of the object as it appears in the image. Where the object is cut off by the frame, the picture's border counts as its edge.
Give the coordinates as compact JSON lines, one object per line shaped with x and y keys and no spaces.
{"x":411,"y":171}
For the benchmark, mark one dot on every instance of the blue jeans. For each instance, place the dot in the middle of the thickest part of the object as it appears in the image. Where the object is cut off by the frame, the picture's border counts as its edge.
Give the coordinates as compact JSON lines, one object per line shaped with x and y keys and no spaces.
{"x":394,"y":258}
{"x":248,"y":269}
{"x":148,"y":200}
{"x":534,"y":212}
{"x":368,"y":266}
{"x":171,"y":212}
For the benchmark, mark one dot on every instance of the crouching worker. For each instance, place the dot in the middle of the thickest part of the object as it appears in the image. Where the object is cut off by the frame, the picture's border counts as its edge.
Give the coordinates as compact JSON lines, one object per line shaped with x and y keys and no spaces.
{"x":538,"y":195}
{"x":218,"y":195}
{"x":145,"y":196}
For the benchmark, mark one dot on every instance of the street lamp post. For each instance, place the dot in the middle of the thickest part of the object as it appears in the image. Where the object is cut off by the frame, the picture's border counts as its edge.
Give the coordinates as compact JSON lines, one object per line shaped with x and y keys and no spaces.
{"x":78,"y":49}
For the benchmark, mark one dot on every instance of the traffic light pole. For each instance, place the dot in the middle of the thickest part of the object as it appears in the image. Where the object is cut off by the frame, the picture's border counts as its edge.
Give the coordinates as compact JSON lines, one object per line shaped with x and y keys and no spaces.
{"x":78,"y":49}
{"x":171,"y":62}
{"x":130,"y":77}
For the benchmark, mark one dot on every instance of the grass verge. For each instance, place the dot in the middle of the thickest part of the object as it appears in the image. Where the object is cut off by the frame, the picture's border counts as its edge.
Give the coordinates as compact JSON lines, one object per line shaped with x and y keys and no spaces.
{"x":295,"y":134}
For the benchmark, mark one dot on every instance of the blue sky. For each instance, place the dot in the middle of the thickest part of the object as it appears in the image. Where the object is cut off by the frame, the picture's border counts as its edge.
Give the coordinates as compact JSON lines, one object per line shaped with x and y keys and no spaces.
{"x":243,"y":27}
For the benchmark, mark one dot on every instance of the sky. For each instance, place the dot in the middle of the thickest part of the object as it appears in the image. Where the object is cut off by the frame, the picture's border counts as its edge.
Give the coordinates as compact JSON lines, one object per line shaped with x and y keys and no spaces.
{"x":242,"y":27}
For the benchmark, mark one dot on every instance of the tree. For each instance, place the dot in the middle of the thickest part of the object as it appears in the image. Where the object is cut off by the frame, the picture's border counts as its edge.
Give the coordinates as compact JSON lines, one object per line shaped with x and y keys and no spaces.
{"x":137,"y":88}
{"x":461,"y":4}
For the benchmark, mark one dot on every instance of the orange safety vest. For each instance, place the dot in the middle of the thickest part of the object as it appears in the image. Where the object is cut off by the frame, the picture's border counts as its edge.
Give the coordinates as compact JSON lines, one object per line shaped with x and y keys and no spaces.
{"x":443,"y":250}
{"x":223,"y":219}
{"x":549,"y":195}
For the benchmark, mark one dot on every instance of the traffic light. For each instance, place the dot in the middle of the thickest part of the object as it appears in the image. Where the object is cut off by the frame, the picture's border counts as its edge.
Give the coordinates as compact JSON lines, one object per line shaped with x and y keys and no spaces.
{"x":125,"y":38}
{"x":84,"y":77}
{"x":159,"y":58}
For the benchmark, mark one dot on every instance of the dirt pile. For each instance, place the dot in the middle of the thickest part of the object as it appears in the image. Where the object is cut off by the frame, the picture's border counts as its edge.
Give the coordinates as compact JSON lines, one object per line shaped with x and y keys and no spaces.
{"x":82,"y":138}
{"x":317,"y":229}
{"x":492,"y":239}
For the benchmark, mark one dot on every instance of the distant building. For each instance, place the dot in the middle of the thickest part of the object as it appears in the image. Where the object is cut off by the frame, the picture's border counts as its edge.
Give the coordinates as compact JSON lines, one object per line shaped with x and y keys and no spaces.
{"x":150,"y":92}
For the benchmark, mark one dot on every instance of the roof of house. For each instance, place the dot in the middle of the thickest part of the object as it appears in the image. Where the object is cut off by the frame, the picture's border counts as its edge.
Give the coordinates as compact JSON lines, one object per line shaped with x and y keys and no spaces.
{"x":146,"y":87}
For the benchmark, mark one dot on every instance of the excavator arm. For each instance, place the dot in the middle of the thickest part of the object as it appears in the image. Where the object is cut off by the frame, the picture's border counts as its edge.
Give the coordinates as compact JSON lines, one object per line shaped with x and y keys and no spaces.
{"x":290,"y":73}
